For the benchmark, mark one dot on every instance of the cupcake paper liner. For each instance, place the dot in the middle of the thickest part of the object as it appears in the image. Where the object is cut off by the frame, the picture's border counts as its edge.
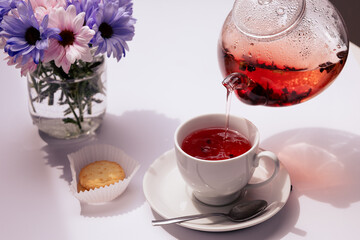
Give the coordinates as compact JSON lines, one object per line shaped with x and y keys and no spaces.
{"x":98,"y":152}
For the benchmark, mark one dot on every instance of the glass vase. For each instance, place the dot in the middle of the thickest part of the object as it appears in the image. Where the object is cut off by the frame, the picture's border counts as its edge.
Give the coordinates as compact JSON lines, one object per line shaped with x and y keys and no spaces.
{"x":68,"y":105}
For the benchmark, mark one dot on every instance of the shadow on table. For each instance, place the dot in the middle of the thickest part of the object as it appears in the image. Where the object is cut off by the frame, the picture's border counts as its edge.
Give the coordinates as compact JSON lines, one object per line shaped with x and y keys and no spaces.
{"x":323,"y":163}
{"x":143,"y":135}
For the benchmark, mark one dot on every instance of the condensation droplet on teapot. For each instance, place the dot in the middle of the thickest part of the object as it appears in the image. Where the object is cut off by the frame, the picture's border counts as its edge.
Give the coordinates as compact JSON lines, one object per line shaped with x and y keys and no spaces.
{"x":280,"y":11}
{"x":264,"y":2}
{"x":317,"y":10}
{"x":236,"y":43}
{"x":335,"y":16}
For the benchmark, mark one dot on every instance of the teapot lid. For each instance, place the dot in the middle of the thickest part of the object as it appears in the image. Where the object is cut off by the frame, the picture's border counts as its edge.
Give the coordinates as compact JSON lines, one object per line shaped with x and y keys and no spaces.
{"x":267,"y":18}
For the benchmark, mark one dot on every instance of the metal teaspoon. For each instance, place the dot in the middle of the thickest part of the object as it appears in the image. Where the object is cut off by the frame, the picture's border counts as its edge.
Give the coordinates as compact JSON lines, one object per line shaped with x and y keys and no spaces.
{"x":239,"y":213}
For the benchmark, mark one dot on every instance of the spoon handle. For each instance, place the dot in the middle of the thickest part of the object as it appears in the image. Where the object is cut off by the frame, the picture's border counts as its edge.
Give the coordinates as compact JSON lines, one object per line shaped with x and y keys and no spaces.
{"x":184,"y":218}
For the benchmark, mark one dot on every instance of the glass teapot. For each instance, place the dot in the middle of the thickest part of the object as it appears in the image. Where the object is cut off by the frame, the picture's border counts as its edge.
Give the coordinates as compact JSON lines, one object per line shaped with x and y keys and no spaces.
{"x":281,"y":52}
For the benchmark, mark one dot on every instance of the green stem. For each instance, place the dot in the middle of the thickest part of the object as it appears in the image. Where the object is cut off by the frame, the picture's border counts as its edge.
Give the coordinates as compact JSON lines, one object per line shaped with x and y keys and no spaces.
{"x":71,"y":108}
{"x":31,"y":102}
{"x":35,"y":86}
{"x":78,"y":99}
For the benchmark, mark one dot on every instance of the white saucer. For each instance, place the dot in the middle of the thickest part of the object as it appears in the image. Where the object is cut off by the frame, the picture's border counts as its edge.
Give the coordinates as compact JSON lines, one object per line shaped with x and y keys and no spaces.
{"x":168,"y":195}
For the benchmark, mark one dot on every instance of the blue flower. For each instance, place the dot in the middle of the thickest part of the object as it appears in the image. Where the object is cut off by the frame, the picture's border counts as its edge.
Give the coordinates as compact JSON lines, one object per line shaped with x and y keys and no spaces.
{"x":26,"y":38}
{"x":90,"y":7}
{"x":113,"y":28}
{"x":5,"y":7}
{"x":127,"y":4}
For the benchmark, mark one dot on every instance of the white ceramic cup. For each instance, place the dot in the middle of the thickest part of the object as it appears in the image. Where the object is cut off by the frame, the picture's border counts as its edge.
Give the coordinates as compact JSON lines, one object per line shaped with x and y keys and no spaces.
{"x":221,"y":182}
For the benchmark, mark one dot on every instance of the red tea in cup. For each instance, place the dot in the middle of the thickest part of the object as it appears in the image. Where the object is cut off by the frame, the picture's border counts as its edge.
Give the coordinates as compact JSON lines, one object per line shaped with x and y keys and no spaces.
{"x":212,"y":144}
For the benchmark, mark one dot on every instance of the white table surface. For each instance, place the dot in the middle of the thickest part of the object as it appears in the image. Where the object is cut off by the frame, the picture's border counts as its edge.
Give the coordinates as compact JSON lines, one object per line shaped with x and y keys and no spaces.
{"x":171,"y":74}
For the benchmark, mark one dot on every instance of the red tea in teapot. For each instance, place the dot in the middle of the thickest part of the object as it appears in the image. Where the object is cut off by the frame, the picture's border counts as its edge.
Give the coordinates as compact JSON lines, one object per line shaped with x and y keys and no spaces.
{"x":215,"y":144}
{"x":279,"y":86}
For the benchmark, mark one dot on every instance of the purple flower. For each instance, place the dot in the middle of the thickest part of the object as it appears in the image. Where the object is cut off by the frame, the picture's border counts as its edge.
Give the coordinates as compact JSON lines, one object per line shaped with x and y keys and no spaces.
{"x":113,"y":28}
{"x":5,"y":7}
{"x":127,"y":4}
{"x":26,"y":38}
{"x":90,"y":7}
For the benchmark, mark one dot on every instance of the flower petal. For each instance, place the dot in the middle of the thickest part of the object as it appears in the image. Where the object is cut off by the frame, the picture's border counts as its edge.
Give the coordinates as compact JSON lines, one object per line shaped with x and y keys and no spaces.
{"x":78,"y":22}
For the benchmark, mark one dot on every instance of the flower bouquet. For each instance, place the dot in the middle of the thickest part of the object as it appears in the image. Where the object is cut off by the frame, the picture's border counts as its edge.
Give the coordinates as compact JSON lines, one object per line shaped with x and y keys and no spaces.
{"x":61,"y":46}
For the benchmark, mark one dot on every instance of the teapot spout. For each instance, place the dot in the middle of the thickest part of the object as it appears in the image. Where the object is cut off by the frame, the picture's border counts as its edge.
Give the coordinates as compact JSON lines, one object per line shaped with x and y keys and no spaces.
{"x":236,"y":81}
{"x":245,"y":89}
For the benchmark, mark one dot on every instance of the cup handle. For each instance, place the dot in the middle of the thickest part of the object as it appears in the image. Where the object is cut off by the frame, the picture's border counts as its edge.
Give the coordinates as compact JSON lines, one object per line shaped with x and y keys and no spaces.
{"x":268,"y":155}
